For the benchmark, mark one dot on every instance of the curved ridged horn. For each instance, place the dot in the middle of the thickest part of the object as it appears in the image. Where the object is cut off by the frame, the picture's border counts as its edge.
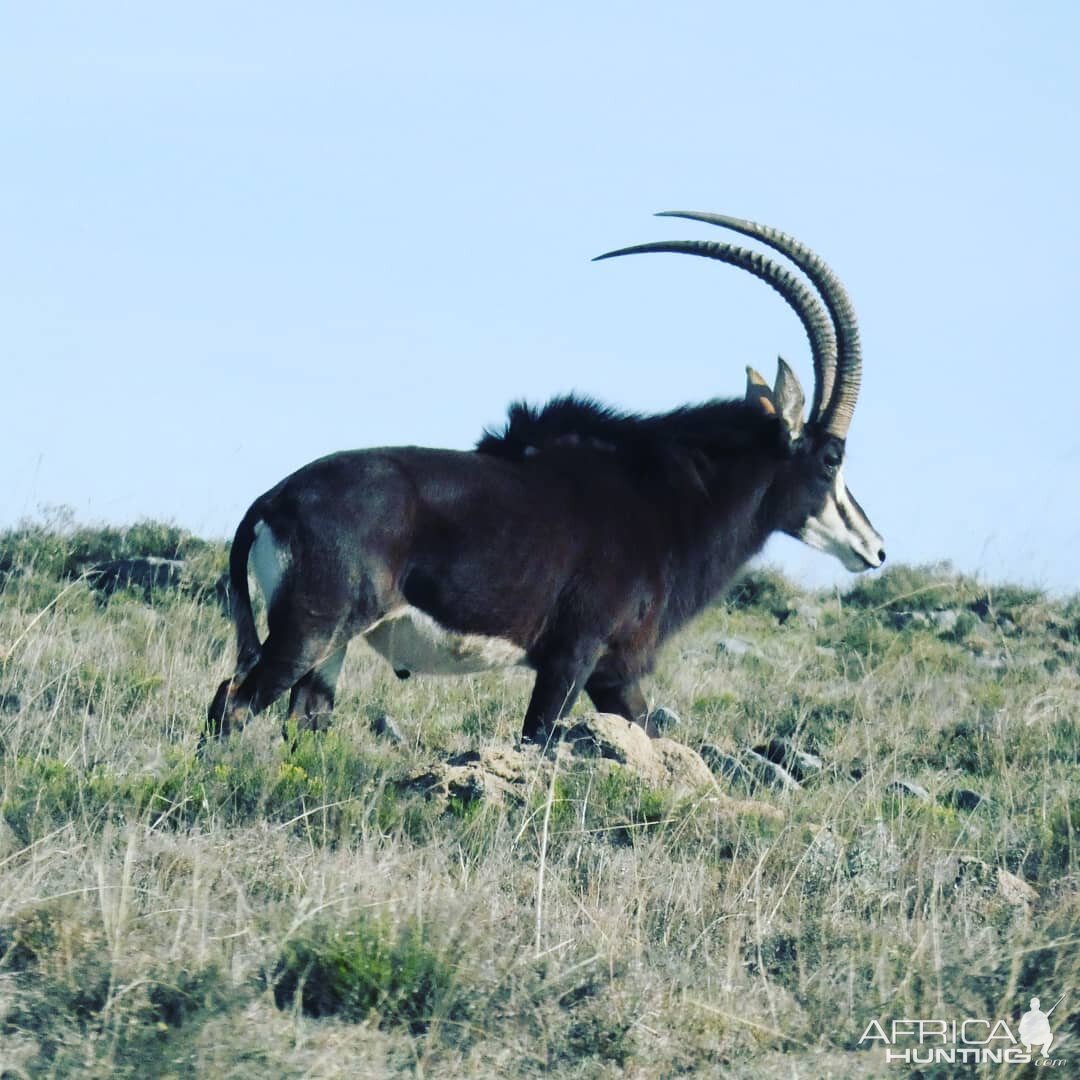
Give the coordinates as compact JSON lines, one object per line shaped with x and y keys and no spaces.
{"x":815,"y":320}
{"x":837,"y":400}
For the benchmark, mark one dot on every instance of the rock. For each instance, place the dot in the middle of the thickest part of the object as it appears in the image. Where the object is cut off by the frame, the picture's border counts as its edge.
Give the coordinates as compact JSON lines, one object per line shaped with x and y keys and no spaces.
{"x":805,"y":764}
{"x":874,"y":862}
{"x":909,"y":789}
{"x":496,"y":774}
{"x":734,"y":646}
{"x":994,"y":882}
{"x":742,"y":808}
{"x":1015,"y":890}
{"x":807,"y":612}
{"x":964,"y":799}
{"x":733,"y":770}
{"x":601,"y":741}
{"x":801,"y":764}
{"x":901,"y":620}
{"x":383,"y":725}
{"x":776,"y":776}
{"x":659,"y":762}
{"x":664,"y":719}
{"x":824,"y":855}
{"x":146,"y":572}
{"x":682,"y":768}
{"x":973,"y":871}
{"x":945,"y":621}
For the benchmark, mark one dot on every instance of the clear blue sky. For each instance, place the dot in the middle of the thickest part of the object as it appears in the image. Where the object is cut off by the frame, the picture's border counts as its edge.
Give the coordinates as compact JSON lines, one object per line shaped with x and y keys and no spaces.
{"x":236,"y":237}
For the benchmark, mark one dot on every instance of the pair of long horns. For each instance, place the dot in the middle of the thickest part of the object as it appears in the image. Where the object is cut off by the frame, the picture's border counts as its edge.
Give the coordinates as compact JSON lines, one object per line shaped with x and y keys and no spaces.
{"x":833,"y":330}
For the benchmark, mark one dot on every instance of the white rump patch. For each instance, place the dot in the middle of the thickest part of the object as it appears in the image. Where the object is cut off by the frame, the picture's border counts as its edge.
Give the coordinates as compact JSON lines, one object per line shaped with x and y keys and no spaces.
{"x":413,"y":641}
{"x":268,"y":561}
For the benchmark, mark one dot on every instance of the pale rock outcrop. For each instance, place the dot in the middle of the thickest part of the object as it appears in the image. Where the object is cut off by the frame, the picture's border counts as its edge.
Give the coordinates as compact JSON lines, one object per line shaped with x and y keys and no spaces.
{"x":501,"y":774}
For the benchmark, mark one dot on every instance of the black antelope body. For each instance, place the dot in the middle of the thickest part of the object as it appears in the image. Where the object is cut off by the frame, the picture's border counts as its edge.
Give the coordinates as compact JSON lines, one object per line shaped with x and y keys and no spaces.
{"x":573,"y":542}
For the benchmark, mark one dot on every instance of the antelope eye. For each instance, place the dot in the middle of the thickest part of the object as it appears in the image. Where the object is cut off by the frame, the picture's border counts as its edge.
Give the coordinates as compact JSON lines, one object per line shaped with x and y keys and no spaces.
{"x":832,"y":461}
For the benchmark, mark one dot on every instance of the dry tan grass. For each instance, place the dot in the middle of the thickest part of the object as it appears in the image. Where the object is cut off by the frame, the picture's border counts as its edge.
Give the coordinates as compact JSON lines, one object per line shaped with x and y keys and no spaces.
{"x":146,"y":898}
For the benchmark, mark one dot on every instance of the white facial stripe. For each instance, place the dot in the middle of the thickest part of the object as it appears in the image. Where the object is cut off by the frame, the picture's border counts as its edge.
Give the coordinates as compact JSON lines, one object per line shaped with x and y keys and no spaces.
{"x":413,"y":641}
{"x":842,"y":530}
{"x":268,"y":561}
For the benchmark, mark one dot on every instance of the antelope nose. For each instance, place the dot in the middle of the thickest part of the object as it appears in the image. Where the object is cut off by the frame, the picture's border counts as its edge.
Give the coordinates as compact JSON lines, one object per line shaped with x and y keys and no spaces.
{"x":881,"y":556}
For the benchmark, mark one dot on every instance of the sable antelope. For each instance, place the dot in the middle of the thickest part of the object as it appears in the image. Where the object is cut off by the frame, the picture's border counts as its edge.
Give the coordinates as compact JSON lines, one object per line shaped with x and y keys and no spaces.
{"x":574,"y":541}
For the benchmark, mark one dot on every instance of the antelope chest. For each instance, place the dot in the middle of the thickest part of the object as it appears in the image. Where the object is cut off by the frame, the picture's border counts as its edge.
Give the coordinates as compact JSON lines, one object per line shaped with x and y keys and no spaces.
{"x":414,"y":643}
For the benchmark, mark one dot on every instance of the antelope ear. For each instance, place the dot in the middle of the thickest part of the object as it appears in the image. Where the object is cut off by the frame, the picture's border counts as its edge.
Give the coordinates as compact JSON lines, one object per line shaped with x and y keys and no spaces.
{"x":789,"y":399}
{"x":758,"y":392}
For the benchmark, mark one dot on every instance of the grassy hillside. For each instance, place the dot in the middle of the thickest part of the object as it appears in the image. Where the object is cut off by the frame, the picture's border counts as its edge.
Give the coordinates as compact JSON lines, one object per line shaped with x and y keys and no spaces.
{"x":266,"y":912}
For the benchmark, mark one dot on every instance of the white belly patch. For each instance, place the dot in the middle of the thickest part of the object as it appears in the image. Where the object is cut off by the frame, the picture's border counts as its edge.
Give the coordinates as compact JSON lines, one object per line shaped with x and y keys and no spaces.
{"x":414,"y":642}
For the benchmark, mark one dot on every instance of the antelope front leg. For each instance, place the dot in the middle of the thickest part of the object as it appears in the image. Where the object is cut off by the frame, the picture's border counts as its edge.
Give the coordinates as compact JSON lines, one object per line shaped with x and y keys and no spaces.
{"x":559,"y":680}
{"x":621,"y":698}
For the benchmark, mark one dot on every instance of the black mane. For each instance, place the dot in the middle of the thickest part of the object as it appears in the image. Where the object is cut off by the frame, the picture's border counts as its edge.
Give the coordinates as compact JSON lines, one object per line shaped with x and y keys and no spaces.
{"x":715,"y":428}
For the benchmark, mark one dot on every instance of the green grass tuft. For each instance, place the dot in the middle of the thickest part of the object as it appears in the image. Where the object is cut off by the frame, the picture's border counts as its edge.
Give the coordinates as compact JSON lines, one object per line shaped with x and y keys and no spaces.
{"x":369,"y":968}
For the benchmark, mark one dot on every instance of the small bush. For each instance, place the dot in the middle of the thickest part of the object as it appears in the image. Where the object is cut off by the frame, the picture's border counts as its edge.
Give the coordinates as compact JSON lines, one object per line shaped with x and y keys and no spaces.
{"x":766,"y":590}
{"x":174,"y":1000}
{"x":1059,"y":848}
{"x":61,"y":961}
{"x":370,"y":968}
{"x":814,"y":722}
{"x":865,"y":637}
{"x":1006,"y":601}
{"x":969,"y":747}
{"x":41,"y":794}
{"x":1067,"y":627}
{"x":612,"y":801}
{"x":930,"y":587}
{"x":596,"y":1034}
{"x":60,"y":547}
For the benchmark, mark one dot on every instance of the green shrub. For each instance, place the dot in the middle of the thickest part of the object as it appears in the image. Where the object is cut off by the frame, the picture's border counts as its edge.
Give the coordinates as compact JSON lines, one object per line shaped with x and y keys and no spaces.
{"x":1068,"y":626}
{"x":930,"y":587}
{"x":967,"y":746}
{"x":61,"y":961}
{"x":1059,"y":839}
{"x":816,"y":723}
{"x":369,"y":968}
{"x":90,"y":689}
{"x":611,"y":801}
{"x":41,"y":794}
{"x":866,"y":637}
{"x":60,"y":547}
{"x":1006,"y":601}
{"x":36,"y":555}
{"x":174,"y":998}
{"x":765,"y":589}
{"x":598,"y":1034}
{"x":66,"y":992}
